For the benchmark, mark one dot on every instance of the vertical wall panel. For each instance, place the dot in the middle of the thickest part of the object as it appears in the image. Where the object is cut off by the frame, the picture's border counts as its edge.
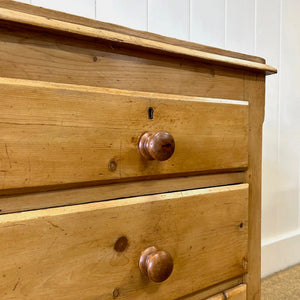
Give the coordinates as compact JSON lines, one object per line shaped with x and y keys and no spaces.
{"x":289,"y":146}
{"x":129,"y":13}
{"x":240,"y":26}
{"x":84,"y":8}
{"x":169,"y":17}
{"x":207,"y":24}
{"x":268,"y":46}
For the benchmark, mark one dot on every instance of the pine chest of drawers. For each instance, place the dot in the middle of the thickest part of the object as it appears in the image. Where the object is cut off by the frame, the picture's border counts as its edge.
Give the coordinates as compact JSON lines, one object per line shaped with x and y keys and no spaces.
{"x":130,"y":163}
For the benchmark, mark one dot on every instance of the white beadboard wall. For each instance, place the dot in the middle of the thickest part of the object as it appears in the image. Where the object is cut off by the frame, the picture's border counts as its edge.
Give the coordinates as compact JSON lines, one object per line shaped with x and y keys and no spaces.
{"x":267,"y":28}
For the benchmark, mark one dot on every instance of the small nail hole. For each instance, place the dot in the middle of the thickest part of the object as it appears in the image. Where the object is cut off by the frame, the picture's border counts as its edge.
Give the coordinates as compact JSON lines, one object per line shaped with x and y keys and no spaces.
{"x":241,"y":225}
{"x":112,"y":165}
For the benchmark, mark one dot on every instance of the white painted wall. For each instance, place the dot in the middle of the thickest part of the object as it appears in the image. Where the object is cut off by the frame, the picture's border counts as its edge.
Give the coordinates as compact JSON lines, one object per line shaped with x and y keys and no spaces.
{"x":268,"y":28}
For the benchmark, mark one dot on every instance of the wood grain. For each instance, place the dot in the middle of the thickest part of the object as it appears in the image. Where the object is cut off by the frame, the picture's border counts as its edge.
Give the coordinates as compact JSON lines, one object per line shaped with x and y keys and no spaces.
{"x":55,"y":134}
{"x":128,"y":40}
{"x":255,"y":92}
{"x":23,"y":202}
{"x":57,"y":15}
{"x":47,"y":57}
{"x":68,"y":252}
{"x":237,"y":293}
{"x":66,"y":126}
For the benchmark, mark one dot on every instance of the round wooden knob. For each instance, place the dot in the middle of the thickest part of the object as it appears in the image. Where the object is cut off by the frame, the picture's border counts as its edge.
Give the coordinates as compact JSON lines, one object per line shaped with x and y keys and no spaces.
{"x":156,"y":145}
{"x":156,"y":264}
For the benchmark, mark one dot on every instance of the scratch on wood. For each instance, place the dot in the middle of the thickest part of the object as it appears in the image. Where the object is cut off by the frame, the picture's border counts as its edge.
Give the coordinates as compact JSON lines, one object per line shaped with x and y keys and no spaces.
{"x":55,"y":226}
{"x":29,"y":169}
{"x":13,"y":225}
{"x":14,"y":288}
{"x":44,"y":124}
{"x":7,"y":155}
{"x":52,"y":244}
{"x":120,"y":163}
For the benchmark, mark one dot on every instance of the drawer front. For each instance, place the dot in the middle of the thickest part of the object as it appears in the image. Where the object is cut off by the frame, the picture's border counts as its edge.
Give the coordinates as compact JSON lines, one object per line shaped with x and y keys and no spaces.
{"x":92,"y":251}
{"x":54,"y":134}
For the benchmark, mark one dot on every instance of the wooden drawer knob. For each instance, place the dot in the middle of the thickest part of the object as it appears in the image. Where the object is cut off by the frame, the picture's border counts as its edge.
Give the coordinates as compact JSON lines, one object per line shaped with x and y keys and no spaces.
{"x":156,"y":264}
{"x":156,"y":145}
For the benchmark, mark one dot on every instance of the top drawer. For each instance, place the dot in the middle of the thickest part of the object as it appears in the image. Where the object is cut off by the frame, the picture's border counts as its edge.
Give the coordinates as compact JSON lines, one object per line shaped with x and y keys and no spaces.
{"x":65,"y":134}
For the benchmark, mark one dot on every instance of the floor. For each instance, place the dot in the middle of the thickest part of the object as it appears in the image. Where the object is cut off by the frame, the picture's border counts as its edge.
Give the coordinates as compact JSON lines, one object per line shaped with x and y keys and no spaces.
{"x":284,"y":285}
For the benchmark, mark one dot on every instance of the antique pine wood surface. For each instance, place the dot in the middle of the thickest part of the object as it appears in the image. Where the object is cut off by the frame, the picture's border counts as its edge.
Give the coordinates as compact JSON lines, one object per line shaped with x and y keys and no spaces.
{"x":255,"y":94}
{"x":49,"y":47}
{"x":129,"y":40}
{"x":237,"y":293}
{"x":68,"y":252}
{"x":31,"y":201}
{"x":34,"y":55}
{"x":57,"y":15}
{"x":58,"y":134}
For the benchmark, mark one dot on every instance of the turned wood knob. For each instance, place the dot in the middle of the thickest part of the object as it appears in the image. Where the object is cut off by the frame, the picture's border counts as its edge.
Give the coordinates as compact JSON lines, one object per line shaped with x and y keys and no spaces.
{"x":156,"y":145}
{"x":156,"y":264}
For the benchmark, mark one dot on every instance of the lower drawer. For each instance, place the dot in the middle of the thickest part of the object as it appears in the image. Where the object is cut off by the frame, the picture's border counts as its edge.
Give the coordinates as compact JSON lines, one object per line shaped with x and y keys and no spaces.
{"x":92,"y":251}
{"x":237,"y":293}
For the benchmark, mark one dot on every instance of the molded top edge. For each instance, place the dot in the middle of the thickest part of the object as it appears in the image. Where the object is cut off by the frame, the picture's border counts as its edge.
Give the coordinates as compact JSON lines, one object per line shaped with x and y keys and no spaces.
{"x":46,"y":19}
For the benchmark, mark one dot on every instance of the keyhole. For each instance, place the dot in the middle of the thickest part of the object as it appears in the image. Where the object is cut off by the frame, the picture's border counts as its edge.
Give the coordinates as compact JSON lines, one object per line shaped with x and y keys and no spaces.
{"x":150,"y":113}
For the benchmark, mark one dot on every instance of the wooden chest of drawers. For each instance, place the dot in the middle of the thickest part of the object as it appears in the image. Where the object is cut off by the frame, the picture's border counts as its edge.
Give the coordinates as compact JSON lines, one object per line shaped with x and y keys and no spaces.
{"x":130,"y":163}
